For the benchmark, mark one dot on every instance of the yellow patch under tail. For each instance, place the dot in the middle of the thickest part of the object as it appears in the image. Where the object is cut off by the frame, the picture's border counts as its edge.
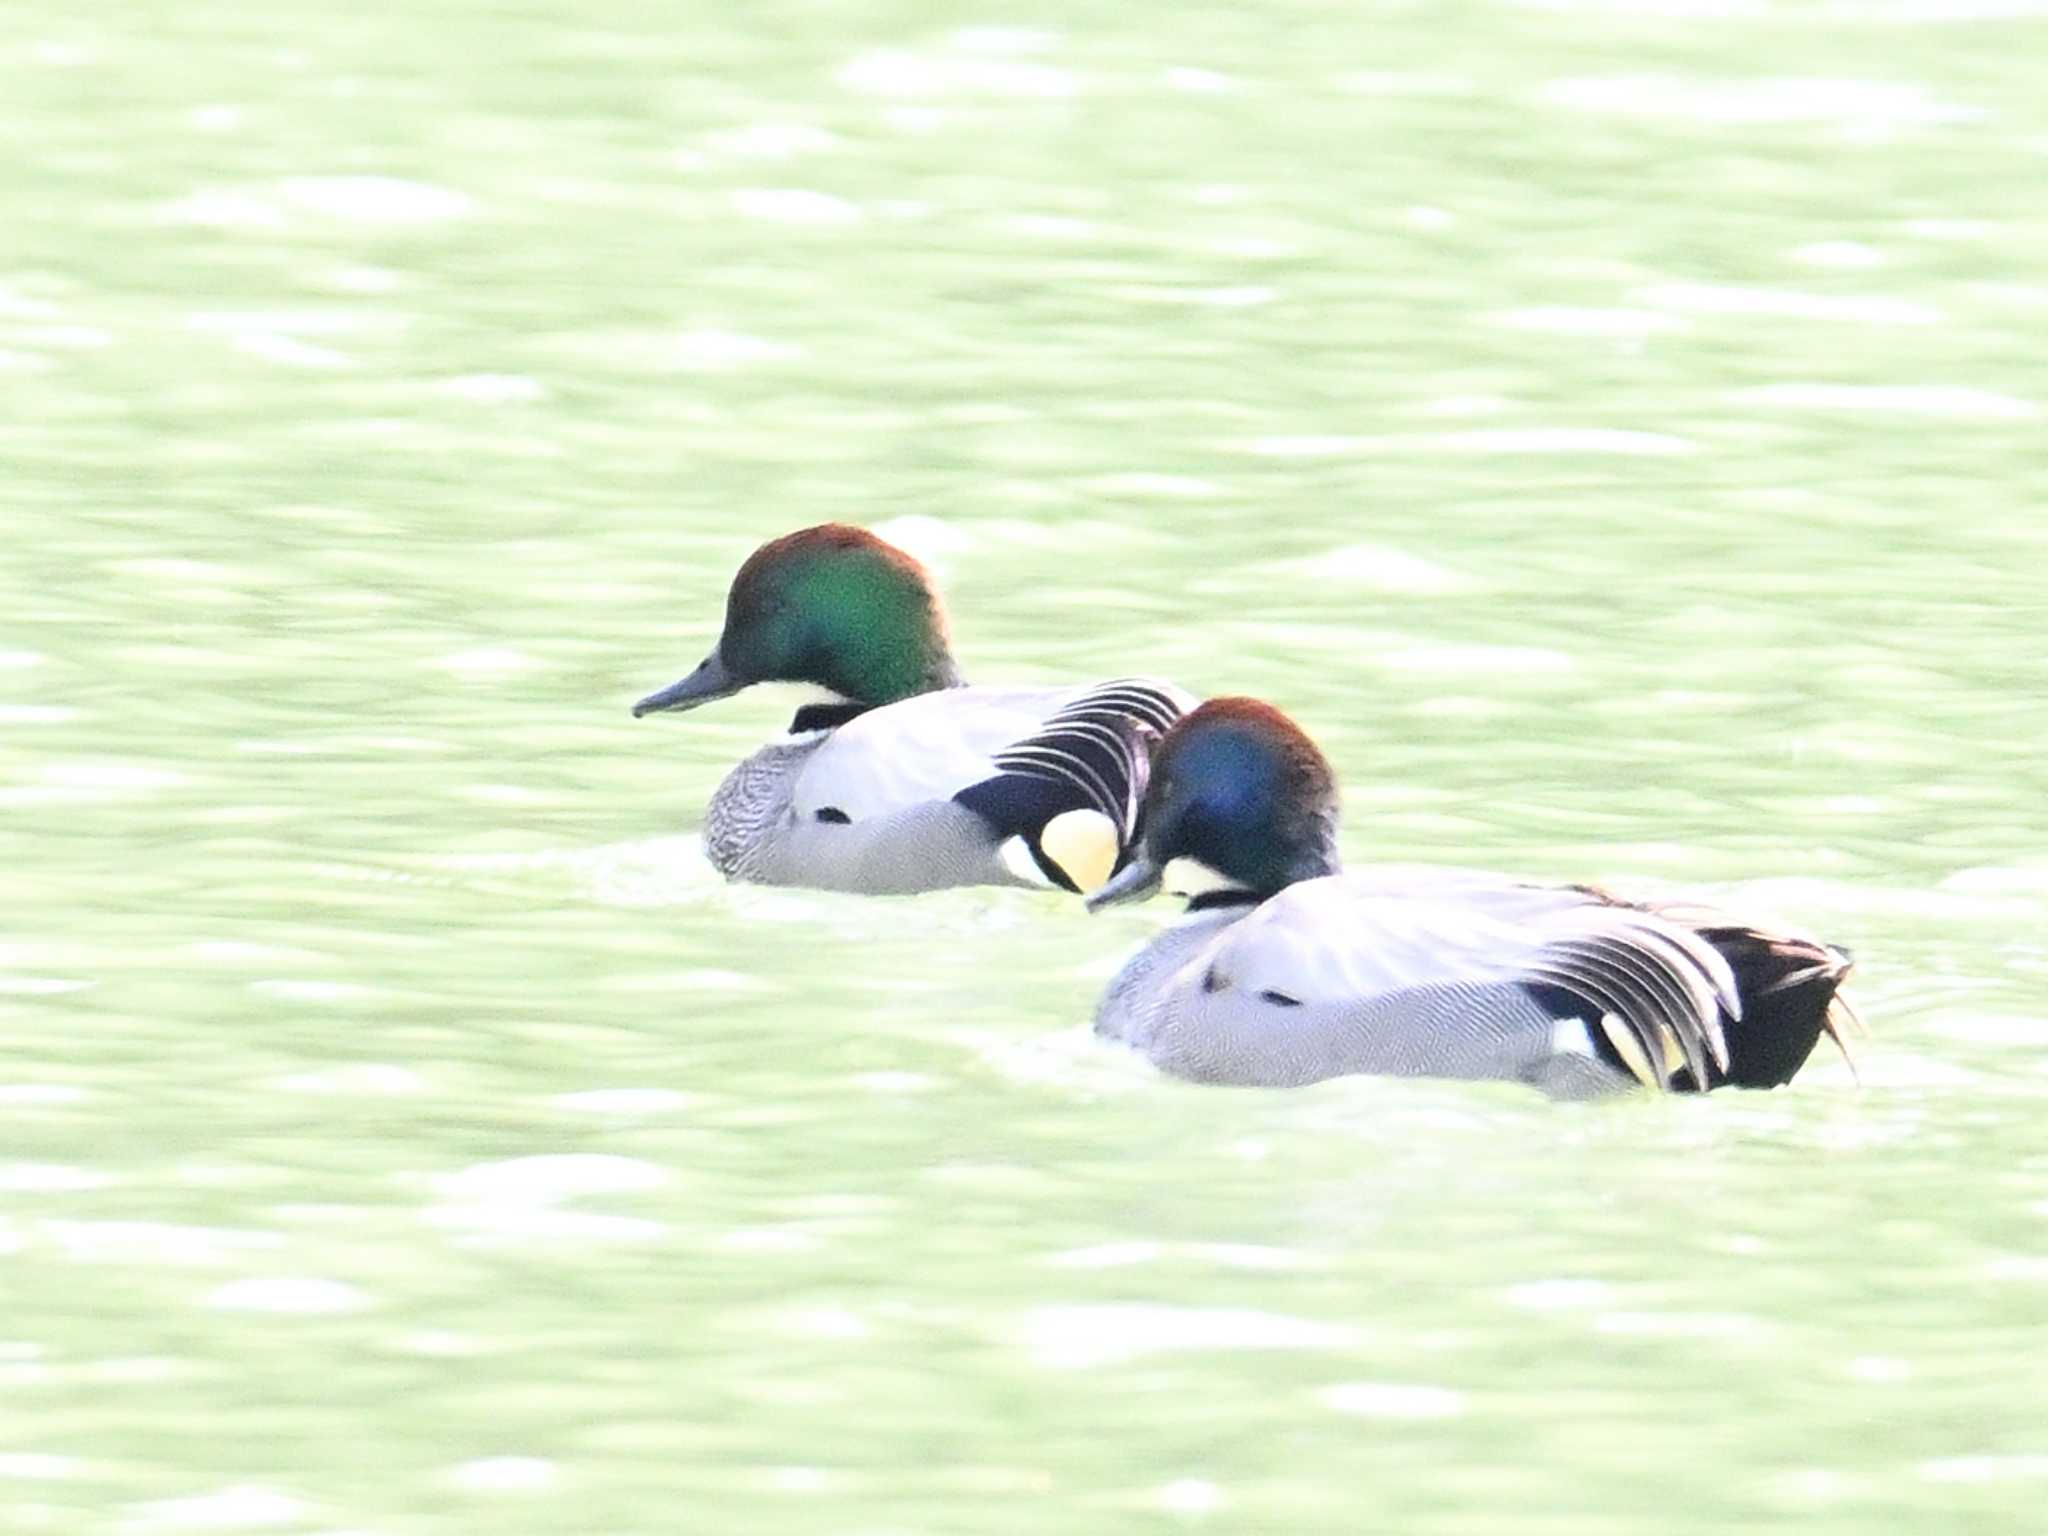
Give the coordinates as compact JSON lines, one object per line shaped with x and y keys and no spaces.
{"x":1630,"y":1050}
{"x":1083,"y":844}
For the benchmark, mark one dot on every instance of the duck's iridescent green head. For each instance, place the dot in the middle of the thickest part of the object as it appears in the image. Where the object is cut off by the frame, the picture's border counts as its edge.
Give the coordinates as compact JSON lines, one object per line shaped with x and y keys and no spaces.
{"x":831,"y":605}
{"x":1237,"y":787}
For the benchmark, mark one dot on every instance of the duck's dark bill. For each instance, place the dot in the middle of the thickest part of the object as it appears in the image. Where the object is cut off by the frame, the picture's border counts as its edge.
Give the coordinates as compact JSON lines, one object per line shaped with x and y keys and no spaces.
{"x":1134,"y":882}
{"x":710,"y":681}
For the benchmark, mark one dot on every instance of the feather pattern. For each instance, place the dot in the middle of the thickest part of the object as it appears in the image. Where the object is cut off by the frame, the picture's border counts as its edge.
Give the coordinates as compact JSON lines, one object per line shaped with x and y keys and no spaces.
{"x":1459,"y":973}
{"x":921,"y":794}
{"x":1098,"y":747}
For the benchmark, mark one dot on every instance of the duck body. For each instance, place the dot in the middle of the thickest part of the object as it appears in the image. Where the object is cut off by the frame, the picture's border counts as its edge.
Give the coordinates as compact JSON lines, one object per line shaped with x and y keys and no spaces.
{"x":1292,"y":970}
{"x":908,"y":780}
{"x":954,"y":787}
{"x":1410,"y":971}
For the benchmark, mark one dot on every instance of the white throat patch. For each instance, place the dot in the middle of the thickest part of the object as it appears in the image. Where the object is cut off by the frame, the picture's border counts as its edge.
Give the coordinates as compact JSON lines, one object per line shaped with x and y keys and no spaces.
{"x":1191,"y":877}
{"x":795,"y":696}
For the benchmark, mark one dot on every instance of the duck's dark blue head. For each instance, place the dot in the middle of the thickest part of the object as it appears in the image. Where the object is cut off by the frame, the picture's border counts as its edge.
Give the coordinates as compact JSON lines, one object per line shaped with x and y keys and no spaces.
{"x":831,"y":605}
{"x":1237,"y":787}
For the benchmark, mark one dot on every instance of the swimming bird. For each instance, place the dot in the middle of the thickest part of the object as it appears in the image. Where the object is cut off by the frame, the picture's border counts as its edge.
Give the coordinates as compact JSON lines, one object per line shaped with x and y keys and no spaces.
{"x":1288,"y":970}
{"x":908,"y":779}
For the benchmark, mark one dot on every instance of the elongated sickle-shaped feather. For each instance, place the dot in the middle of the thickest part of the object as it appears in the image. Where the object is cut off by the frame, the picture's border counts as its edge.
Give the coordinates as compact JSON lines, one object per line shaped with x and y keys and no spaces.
{"x":1690,"y":928}
{"x":1623,"y":1003}
{"x":1094,"y":757}
{"x":1613,"y":989}
{"x":1100,"y":746}
{"x":1145,"y":701}
{"x":1709,"y":985}
{"x":1662,"y":986}
{"x":1630,"y":1049}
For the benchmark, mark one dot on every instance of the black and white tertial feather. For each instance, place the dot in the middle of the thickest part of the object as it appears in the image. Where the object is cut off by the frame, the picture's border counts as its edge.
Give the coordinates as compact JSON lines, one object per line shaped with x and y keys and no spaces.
{"x":1100,"y":748}
{"x":1093,"y":756}
{"x":1659,"y":994}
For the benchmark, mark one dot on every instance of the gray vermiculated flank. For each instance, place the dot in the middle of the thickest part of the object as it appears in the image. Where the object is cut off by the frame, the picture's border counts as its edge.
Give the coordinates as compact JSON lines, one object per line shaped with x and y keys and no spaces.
{"x":1462,"y":1029}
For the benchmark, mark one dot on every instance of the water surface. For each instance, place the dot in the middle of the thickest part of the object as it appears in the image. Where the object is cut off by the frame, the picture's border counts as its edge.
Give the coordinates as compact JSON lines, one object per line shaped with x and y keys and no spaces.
{"x":1615,"y":429}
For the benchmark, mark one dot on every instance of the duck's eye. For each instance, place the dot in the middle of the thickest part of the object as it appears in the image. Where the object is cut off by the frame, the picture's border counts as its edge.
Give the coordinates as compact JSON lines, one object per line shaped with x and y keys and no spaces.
{"x":1279,"y":999}
{"x":832,"y":815}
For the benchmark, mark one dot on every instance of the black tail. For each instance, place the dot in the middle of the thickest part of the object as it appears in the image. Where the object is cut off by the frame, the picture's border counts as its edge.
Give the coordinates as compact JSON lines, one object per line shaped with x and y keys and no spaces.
{"x":1791,"y":995}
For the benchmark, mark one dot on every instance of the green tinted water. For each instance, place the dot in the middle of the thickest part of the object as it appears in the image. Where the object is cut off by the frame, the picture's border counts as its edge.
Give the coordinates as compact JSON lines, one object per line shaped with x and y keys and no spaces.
{"x":1618,"y":436}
